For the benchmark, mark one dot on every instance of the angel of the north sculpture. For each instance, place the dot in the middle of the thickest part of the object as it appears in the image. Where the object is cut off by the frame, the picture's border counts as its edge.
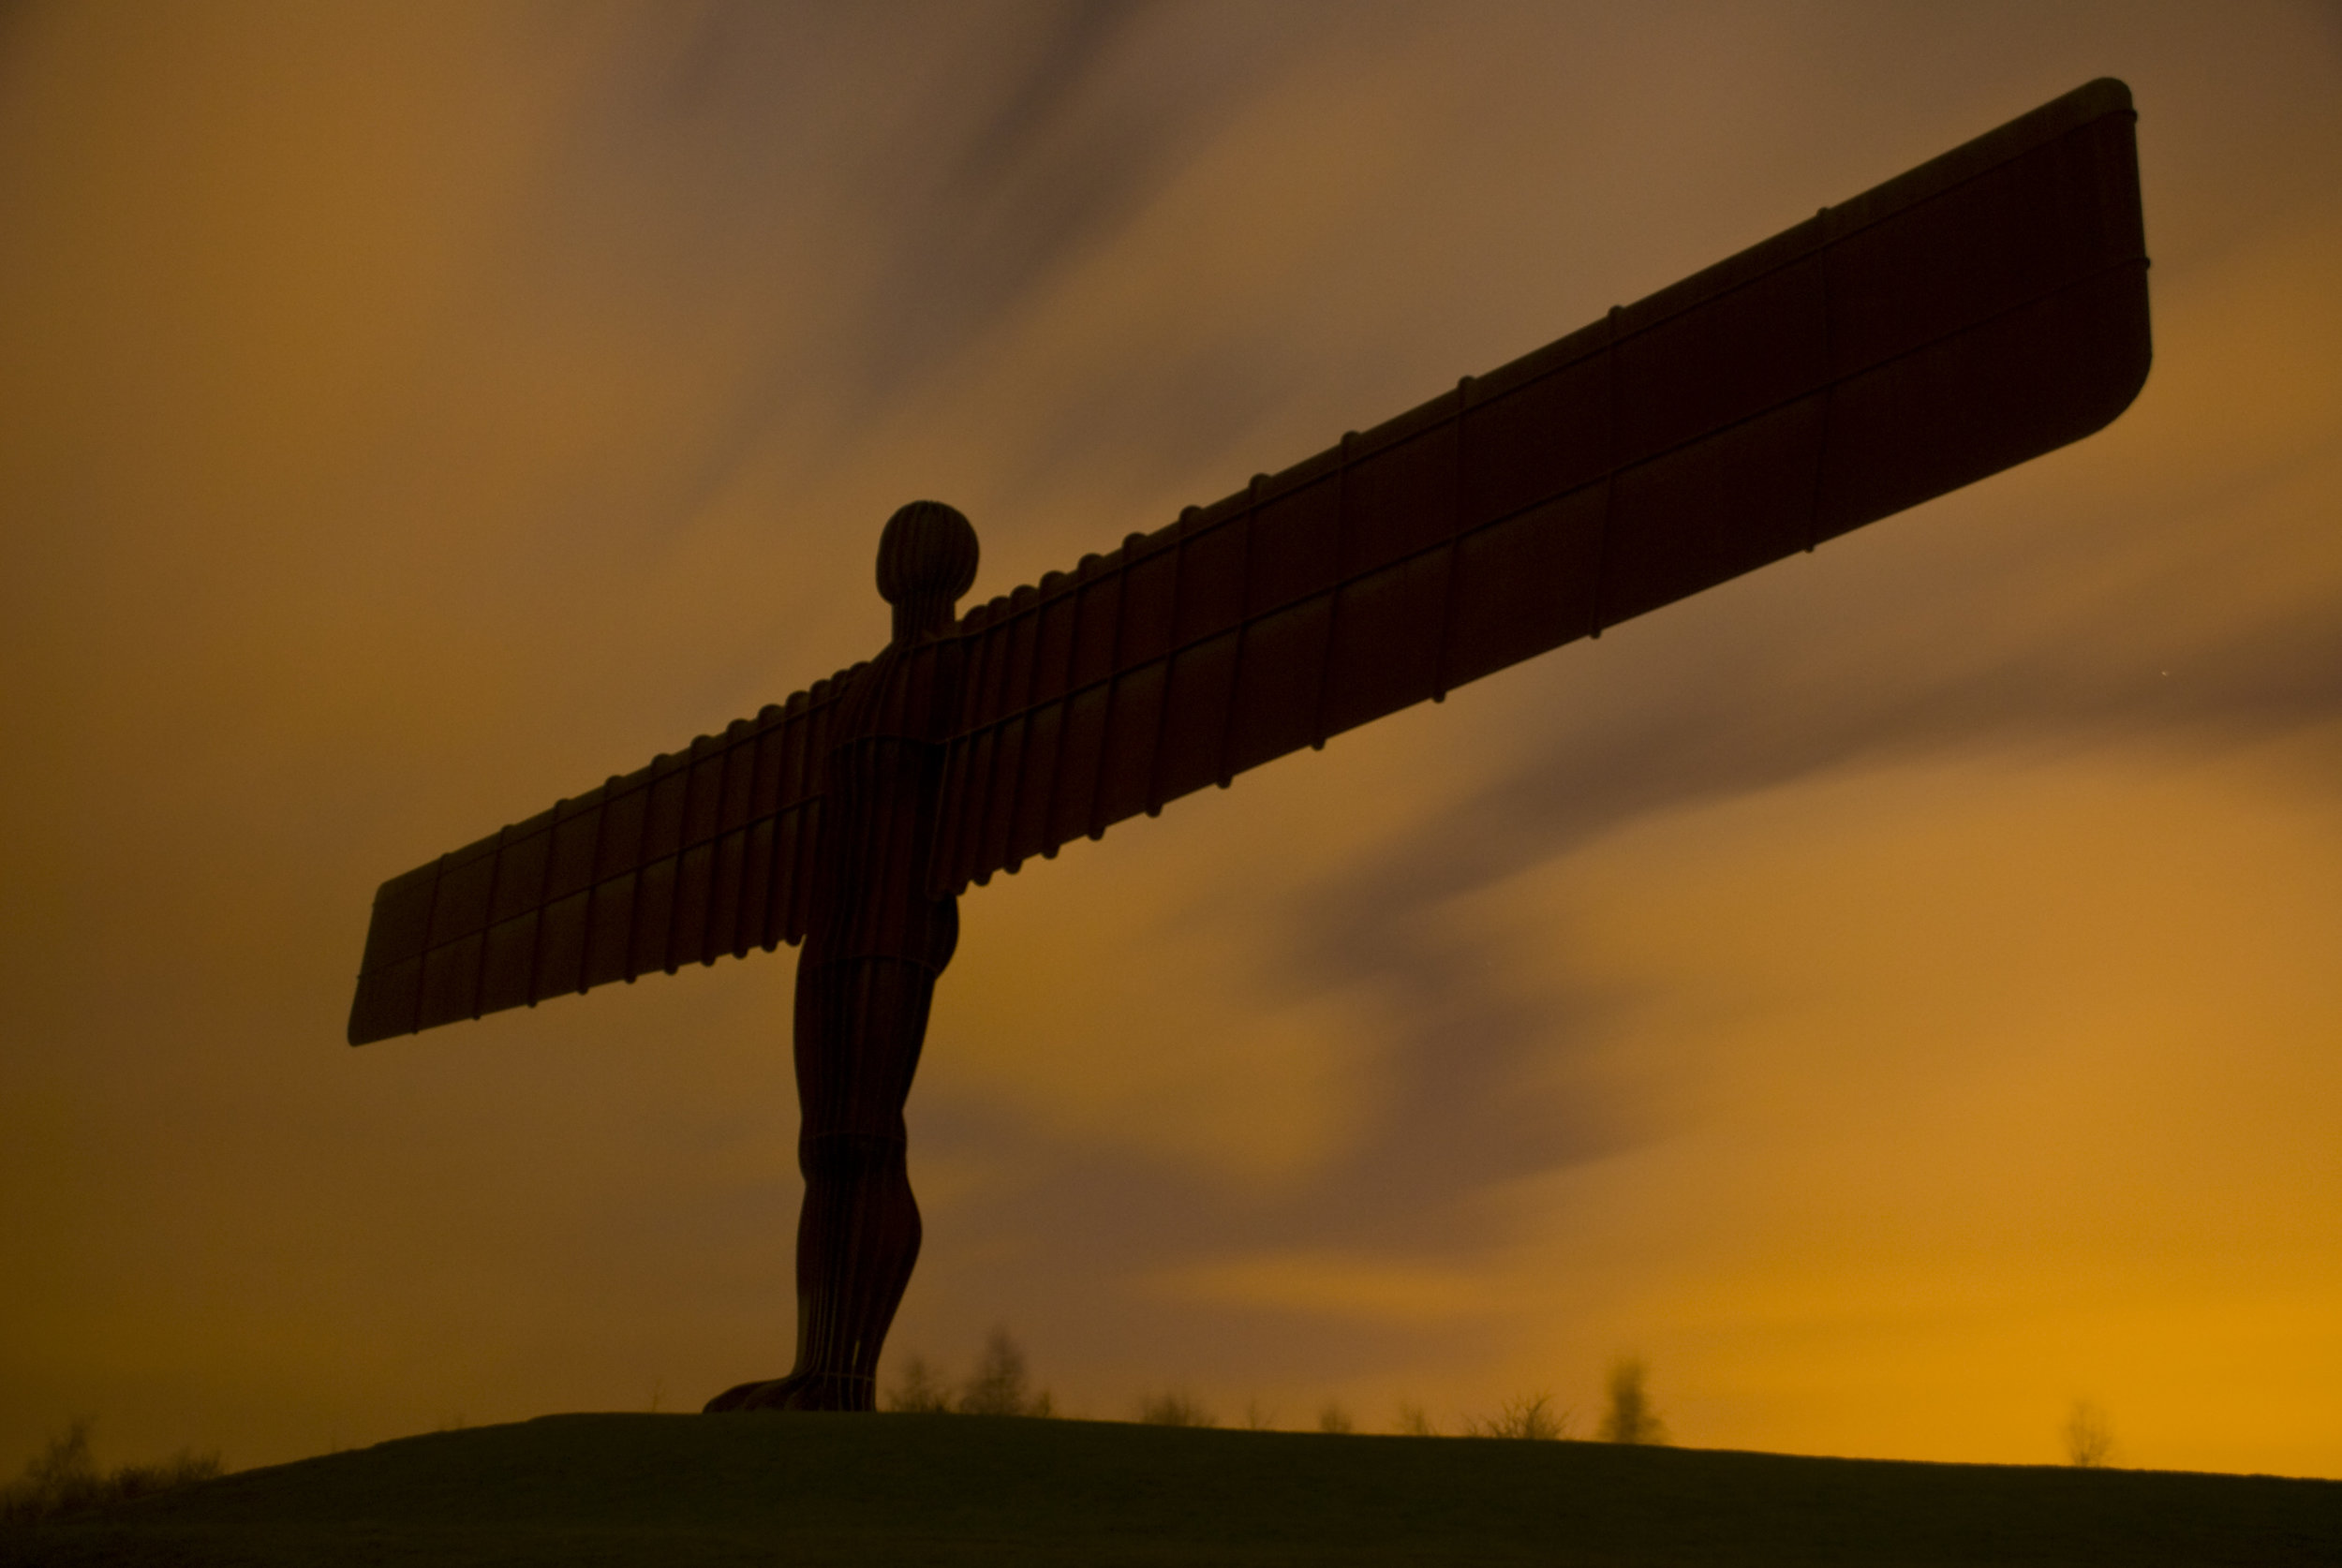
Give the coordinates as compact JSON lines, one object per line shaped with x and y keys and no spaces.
{"x":1976,"y":312}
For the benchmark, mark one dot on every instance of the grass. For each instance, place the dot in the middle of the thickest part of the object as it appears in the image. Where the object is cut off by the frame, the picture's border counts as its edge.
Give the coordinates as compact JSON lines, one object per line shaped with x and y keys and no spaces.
{"x":960,"y":1490}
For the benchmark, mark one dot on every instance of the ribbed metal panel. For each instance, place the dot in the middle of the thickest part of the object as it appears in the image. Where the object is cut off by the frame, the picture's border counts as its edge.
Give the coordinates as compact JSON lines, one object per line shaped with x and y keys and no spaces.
{"x":695,"y":855}
{"x":1980,"y":310}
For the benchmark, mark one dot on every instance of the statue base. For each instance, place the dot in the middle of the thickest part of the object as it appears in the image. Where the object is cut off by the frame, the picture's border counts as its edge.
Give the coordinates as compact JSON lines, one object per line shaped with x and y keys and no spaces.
{"x":799,"y":1391}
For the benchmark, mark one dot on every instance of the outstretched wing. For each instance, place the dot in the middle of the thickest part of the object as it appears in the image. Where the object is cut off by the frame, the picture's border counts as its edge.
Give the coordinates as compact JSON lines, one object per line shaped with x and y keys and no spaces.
{"x":700,"y":853}
{"x":1967,"y":315}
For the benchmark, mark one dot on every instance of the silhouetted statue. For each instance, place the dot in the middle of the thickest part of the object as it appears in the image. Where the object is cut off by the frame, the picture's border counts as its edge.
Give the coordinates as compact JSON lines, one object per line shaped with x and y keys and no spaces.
{"x":877,"y":938}
{"x":1978,"y":311}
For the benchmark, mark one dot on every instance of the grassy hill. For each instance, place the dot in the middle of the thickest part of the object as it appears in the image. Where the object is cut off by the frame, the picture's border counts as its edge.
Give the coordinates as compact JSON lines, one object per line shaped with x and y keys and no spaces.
{"x":954,"y":1489}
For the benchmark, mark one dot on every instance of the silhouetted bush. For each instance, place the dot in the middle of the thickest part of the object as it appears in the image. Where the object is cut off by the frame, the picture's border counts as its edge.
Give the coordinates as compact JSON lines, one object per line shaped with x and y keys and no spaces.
{"x":2089,"y":1440}
{"x":919,"y":1389}
{"x":1413,"y":1422}
{"x":1174,"y":1410}
{"x":997,"y":1388}
{"x":1630,"y":1417}
{"x":1333,"y":1418}
{"x":64,"y":1478}
{"x":1531,"y":1417}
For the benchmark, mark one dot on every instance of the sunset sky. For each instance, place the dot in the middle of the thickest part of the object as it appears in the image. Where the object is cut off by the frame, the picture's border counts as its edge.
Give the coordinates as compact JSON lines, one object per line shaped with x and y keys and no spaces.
{"x":1896,"y":994}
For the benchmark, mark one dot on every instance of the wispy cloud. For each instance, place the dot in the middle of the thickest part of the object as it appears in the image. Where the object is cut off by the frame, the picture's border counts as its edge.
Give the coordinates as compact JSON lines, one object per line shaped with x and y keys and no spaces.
{"x":415,"y":416}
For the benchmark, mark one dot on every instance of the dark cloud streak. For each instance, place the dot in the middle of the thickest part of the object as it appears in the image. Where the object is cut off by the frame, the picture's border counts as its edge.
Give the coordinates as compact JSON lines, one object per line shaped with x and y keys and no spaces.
{"x":998,"y":180}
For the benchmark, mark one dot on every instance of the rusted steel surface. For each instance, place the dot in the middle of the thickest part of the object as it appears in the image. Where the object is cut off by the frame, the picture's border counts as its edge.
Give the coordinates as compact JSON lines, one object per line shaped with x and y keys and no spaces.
{"x":700,"y":853}
{"x":876,"y":943}
{"x":1981,"y":309}
{"x":1978,"y":311}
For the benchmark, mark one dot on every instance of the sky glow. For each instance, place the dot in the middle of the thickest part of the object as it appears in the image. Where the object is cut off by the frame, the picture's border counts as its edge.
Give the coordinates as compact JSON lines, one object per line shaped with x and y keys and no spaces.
{"x":1894,"y":994}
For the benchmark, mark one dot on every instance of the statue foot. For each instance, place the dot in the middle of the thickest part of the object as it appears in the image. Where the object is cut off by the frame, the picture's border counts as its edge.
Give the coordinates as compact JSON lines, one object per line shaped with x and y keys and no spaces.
{"x":798,"y":1391}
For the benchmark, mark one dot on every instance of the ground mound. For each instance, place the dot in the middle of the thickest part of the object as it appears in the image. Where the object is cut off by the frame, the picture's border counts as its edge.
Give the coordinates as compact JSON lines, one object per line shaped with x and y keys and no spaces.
{"x":957,"y":1489}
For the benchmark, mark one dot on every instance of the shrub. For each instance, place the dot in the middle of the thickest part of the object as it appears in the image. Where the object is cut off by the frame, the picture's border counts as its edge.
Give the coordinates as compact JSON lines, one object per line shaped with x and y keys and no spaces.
{"x":63,"y":1477}
{"x":1335,"y":1419}
{"x":1174,"y":1410}
{"x":1532,"y":1416}
{"x":1413,"y":1422}
{"x":2089,"y":1440}
{"x":919,"y":1389}
{"x":1630,"y":1417}
{"x":997,"y":1388}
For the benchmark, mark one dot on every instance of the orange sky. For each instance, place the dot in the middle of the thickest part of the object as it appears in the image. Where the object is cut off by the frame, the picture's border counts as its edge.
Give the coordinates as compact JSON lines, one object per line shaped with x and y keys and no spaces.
{"x":1894,"y":994}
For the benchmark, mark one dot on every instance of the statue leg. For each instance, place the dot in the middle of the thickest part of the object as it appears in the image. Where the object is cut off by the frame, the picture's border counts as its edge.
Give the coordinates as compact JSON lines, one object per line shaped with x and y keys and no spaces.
{"x":859,"y":1025}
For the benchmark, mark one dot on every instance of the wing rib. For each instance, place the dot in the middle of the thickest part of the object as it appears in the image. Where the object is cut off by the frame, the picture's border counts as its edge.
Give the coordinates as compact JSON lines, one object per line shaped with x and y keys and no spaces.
{"x":697,"y":854}
{"x":1978,"y":311}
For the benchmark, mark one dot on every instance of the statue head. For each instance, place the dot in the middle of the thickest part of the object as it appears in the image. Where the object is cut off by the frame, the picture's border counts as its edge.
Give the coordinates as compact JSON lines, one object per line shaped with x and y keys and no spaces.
{"x":927,"y":559}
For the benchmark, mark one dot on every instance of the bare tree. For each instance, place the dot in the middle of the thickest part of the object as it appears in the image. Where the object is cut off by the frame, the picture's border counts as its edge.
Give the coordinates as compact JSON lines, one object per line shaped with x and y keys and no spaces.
{"x":1174,"y":1410}
{"x":65,"y":1477}
{"x":2089,"y":1440}
{"x":1333,"y":1418}
{"x":1532,"y":1416}
{"x":1630,"y":1417}
{"x":997,"y":1388}
{"x":919,"y":1390}
{"x":1413,"y":1422}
